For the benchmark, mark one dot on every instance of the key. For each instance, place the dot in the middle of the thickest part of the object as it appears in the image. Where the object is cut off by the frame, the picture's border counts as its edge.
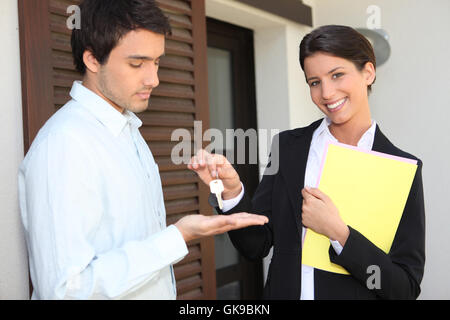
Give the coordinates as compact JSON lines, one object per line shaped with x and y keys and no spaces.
{"x":217,"y":188}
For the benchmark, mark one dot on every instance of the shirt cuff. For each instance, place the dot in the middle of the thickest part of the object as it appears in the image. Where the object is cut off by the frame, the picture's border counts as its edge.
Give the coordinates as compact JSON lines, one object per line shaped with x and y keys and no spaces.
{"x":231,"y":203}
{"x":178,"y":245}
{"x":336,"y":246}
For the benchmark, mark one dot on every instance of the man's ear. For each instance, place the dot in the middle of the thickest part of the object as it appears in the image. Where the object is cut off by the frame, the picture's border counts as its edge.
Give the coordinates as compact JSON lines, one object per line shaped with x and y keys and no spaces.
{"x":90,"y":61}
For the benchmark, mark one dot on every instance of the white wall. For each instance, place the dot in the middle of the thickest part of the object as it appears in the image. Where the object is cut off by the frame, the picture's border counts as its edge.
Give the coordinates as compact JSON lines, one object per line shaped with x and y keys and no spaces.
{"x":410,"y":103}
{"x":13,"y":256}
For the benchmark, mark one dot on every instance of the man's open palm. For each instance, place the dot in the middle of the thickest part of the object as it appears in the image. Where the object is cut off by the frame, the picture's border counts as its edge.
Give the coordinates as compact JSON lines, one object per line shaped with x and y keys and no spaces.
{"x":198,"y":226}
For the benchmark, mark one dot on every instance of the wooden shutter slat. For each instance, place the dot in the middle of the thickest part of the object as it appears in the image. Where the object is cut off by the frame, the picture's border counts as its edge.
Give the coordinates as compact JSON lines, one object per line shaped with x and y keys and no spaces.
{"x":182,"y":194}
{"x":176,"y":76}
{"x":180,"y":191}
{"x":178,"y":48}
{"x":61,"y":42}
{"x":174,"y":90}
{"x":168,"y":119}
{"x":64,"y":78}
{"x":188,"y":284}
{"x":177,"y":62}
{"x":61,"y":95}
{"x":178,"y":177}
{"x":170,"y":104}
{"x":179,"y":21}
{"x":58,"y":7}
{"x":160,"y":134}
{"x":195,"y":253}
{"x":182,"y":205}
{"x":156,"y":134}
{"x":182,"y":35}
{"x":166,"y":164}
{"x":62,"y":60}
{"x":161,"y":148}
{"x":58,"y":25}
{"x":188,"y":269}
{"x":196,"y":294}
{"x":175,"y":6}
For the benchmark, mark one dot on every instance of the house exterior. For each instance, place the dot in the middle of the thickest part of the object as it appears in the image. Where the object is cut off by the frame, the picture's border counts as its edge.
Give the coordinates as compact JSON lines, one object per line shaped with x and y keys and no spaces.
{"x":37,"y":73}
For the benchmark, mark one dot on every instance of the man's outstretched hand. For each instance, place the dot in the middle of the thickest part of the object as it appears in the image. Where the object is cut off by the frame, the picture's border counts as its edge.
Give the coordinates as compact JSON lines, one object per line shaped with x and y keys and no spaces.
{"x":198,"y":226}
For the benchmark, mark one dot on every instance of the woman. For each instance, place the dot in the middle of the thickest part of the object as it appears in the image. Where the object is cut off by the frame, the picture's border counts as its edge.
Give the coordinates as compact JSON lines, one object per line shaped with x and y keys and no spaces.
{"x":340,"y":69}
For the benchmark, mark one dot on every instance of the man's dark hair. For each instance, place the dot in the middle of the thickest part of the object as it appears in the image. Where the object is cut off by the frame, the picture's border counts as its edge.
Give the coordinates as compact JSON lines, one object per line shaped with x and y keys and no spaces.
{"x":105,"y":22}
{"x":340,"y":41}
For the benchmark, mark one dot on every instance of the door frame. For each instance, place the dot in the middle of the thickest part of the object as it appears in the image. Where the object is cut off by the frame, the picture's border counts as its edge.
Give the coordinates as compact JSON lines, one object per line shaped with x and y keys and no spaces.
{"x":239,"y":41}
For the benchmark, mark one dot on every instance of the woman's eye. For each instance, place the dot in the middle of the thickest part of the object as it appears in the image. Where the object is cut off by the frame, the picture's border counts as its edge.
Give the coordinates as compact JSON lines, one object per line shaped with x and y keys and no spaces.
{"x":314,"y":83}
{"x":337,"y":75}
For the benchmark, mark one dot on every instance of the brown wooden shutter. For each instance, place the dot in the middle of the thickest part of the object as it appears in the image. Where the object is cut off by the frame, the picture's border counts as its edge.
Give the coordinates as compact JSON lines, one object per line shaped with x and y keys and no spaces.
{"x":47,"y":77}
{"x":180,"y":99}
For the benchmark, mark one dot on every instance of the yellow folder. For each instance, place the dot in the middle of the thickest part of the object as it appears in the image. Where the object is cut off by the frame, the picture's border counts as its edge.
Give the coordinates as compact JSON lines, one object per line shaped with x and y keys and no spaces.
{"x":370,"y":190}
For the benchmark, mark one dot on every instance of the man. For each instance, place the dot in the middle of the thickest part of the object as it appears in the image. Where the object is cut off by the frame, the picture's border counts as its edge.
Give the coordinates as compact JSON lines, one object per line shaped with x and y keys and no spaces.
{"x":90,"y":192}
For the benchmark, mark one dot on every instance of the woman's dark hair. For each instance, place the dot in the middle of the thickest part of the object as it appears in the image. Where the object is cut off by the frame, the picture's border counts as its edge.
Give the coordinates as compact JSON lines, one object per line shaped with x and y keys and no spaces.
{"x":105,"y":22}
{"x":340,"y":41}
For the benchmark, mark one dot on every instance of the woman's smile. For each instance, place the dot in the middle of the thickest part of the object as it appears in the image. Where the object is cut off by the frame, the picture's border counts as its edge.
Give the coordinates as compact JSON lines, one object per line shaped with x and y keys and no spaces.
{"x":336,"y":106}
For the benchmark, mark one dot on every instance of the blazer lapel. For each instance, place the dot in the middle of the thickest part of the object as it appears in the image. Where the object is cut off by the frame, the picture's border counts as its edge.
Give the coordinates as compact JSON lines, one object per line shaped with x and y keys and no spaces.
{"x":293,"y":159}
{"x":381,"y":143}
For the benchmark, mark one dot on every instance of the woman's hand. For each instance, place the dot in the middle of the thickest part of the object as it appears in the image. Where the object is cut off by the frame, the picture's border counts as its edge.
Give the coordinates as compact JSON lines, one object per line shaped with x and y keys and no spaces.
{"x":215,"y":166}
{"x":321,"y":215}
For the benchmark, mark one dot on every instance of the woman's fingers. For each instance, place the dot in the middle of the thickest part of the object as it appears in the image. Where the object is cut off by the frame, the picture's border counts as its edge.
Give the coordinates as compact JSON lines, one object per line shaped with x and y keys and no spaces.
{"x":211,"y":166}
{"x":198,"y":164}
{"x":215,"y":166}
{"x":318,"y":194}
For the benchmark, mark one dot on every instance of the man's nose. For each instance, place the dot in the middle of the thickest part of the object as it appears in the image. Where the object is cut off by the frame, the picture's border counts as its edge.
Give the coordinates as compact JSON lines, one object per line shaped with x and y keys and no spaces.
{"x":151,"y":77}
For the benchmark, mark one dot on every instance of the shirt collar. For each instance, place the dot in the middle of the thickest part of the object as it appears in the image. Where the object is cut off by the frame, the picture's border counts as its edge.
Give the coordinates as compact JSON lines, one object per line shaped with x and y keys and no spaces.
{"x":132,"y":119}
{"x":366,"y":139}
{"x":102,"y":110}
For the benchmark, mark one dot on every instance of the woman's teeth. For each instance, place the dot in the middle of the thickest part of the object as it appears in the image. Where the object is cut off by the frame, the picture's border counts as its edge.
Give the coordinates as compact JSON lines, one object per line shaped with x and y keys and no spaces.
{"x":335,"y":105}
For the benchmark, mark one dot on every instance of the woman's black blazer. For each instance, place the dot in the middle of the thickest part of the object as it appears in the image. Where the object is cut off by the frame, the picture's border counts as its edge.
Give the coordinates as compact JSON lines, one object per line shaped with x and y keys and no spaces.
{"x":279,"y":198}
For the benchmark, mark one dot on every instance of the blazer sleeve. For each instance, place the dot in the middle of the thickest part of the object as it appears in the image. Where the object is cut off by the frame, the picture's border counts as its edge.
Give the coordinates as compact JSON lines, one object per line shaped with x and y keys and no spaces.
{"x":252,"y":242}
{"x":401,"y":270}
{"x":255,"y":242}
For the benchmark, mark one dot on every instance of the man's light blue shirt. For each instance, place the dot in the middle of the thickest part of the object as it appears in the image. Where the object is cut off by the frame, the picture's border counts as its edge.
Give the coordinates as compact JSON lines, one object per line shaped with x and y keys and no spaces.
{"x":92,"y":207}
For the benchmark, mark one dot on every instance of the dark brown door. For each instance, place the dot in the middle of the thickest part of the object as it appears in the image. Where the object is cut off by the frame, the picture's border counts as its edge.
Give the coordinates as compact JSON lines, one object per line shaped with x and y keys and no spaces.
{"x":47,"y":76}
{"x":233,"y":106}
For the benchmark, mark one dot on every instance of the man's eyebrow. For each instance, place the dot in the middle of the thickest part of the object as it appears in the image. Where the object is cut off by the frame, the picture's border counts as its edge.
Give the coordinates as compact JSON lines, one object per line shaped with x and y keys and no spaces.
{"x":331,"y":71}
{"x":138,"y":57}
